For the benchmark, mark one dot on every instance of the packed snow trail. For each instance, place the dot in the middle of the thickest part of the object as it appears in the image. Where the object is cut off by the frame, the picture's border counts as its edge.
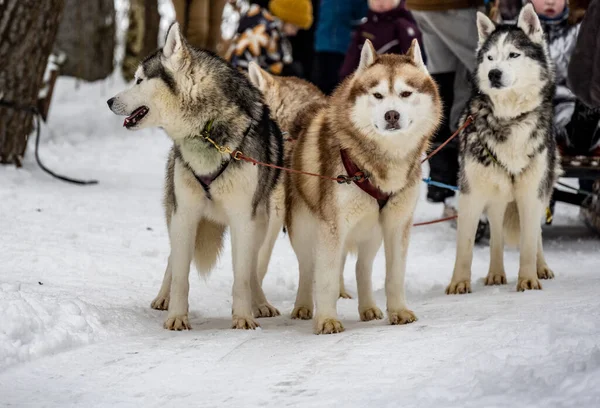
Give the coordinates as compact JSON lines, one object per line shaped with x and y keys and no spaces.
{"x":79,"y":267}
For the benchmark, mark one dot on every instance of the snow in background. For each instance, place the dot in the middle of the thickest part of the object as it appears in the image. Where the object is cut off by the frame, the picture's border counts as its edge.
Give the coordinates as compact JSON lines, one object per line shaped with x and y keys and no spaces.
{"x":79,"y":267}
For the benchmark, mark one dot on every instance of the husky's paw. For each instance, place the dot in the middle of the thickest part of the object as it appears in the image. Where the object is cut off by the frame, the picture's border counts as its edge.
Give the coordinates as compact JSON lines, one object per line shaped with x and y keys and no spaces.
{"x":302,"y":312}
{"x":244,"y":323}
{"x":370,"y":313}
{"x":544,"y":272}
{"x":265,"y":310}
{"x":528,"y":284}
{"x":328,"y":325}
{"x":458,"y":288}
{"x":403,"y":316}
{"x":178,"y":323}
{"x":345,"y":295}
{"x":495,"y":279}
{"x":160,"y":303}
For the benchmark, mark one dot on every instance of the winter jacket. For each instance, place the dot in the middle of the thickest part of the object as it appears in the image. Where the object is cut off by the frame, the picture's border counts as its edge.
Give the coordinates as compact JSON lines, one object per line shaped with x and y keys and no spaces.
{"x":442,"y":5}
{"x":260,"y":38}
{"x":561,"y":37}
{"x":391,"y":33}
{"x":584,"y":67}
{"x":337,"y":19}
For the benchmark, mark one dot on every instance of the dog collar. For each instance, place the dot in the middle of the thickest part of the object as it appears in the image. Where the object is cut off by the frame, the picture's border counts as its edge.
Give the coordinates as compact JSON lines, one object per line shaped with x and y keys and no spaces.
{"x":207,"y":179}
{"x":364,"y":183}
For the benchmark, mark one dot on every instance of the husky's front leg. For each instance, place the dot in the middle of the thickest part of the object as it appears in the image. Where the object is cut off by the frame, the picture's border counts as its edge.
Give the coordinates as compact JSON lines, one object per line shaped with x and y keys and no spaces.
{"x":496,"y":274}
{"x":470,"y":207}
{"x":266,"y":249}
{"x":367,"y":250}
{"x":328,"y":258}
{"x":530,"y":213}
{"x":302,"y":231}
{"x":543,"y":270}
{"x":343,"y":293}
{"x":396,"y":237}
{"x":182,"y":234}
{"x":161,"y":301}
{"x":260,"y":305}
{"x":245,"y":245}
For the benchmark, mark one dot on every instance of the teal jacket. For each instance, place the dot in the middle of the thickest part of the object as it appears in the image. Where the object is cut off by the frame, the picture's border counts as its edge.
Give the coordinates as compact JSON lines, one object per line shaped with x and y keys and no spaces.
{"x":337,"y":20}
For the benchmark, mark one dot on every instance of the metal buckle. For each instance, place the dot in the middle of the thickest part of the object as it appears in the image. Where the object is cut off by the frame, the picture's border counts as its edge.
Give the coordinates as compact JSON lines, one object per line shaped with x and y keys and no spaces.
{"x":341,"y":179}
{"x":359,"y":177}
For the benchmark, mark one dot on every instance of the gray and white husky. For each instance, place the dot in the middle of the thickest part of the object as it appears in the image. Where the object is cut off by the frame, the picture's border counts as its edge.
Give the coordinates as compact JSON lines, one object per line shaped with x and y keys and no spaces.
{"x":508,"y":156}
{"x":194,"y":95}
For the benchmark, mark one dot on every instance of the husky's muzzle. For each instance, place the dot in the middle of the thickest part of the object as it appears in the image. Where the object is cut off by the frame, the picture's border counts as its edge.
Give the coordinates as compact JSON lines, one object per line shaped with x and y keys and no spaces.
{"x":392,"y":120}
{"x":134,"y":118}
{"x":495,"y":77}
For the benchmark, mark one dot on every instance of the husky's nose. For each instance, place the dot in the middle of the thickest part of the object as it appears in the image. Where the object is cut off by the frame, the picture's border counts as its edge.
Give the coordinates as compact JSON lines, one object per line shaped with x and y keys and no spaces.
{"x":392,"y":117}
{"x":495,"y":76}
{"x":110,"y":102}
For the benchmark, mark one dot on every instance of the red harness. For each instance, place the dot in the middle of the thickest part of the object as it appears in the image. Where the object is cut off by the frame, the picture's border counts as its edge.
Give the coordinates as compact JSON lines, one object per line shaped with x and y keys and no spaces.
{"x":364,"y":183}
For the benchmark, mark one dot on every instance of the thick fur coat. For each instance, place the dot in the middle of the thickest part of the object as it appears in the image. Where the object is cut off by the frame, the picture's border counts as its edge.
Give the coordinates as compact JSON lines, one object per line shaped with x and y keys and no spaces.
{"x":508,"y":156}
{"x":196,"y":96}
{"x":383,"y":116}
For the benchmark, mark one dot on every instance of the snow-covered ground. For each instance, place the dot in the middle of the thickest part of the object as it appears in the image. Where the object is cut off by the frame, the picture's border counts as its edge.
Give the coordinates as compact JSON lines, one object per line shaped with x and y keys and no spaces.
{"x":79,"y":267}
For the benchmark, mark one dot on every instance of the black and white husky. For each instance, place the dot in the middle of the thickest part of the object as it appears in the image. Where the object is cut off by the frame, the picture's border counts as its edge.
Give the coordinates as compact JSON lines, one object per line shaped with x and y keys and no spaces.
{"x":508,"y":156}
{"x":196,"y":96}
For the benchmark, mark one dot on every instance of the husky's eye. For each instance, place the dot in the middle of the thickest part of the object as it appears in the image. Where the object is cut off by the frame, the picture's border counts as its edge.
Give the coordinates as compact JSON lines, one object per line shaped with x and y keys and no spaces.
{"x":405,"y":94}
{"x":377,"y":95}
{"x":514,"y":55}
{"x":490,"y":58}
{"x":139,"y":81}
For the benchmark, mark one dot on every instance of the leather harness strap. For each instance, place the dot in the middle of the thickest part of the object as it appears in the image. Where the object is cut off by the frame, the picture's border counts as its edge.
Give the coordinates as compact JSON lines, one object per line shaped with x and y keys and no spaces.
{"x":364,"y":183}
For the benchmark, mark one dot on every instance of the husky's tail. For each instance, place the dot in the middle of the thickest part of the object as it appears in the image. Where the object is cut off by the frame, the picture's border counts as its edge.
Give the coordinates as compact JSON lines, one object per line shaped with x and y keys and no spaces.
{"x":512,"y":229}
{"x":209,"y":243}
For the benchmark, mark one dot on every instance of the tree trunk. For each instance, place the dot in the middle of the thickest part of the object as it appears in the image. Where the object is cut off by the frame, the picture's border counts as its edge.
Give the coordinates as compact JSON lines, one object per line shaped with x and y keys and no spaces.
{"x":27,"y":32}
{"x":87,"y":36}
{"x":142,"y":34}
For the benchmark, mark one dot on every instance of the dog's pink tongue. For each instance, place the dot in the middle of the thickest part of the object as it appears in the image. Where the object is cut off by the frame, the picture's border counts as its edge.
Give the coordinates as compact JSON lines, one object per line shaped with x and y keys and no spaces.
{"x":130,"y":118}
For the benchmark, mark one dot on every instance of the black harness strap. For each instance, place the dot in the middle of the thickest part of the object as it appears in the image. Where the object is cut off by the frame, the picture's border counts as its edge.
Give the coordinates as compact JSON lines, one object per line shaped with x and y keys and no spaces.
{"x":206,"y":180}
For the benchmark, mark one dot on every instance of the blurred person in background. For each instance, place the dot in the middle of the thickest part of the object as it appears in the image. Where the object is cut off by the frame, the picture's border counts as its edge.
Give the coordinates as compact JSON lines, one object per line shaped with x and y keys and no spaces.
{"x":584,"y":67}
{"x":337,"y":20}
{"x":504,"y":11}
{"x":576,"y":124}
{"x":449,"y":29}
{"x":303,"y":45}
{"x":584,"y":80}
{"x":200,"y":21}
{"x":263,"y":36}
{"x":389,"y":26}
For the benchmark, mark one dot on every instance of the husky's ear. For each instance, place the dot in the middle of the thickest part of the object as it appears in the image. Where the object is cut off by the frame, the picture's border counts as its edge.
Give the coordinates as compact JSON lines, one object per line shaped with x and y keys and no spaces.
{"x":414,"y":52}
{"x":529,"y":22}
{"x":174,"y":43}
{"x":259,"y":77}
{"x":367,"y":56}
{"x":485,"y":27}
